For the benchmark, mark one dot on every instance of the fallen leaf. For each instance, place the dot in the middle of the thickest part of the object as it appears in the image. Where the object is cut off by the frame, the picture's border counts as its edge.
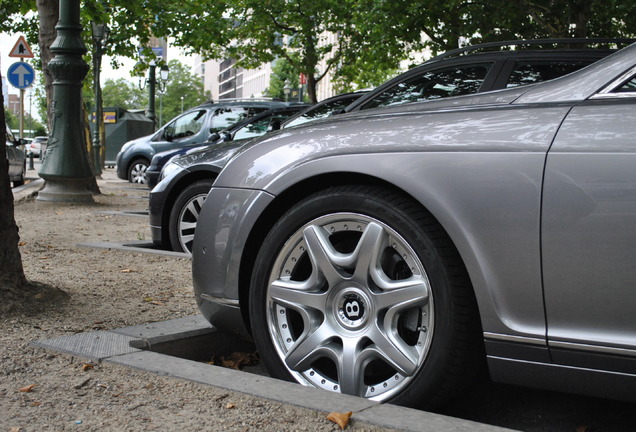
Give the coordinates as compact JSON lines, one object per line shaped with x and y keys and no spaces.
{"x":16,"y":429}
{"x":127,"y":270}
{"x":27,"y":388}
{"x":22,"y":243}
{"x":36,"y":403}
{"x":236,"y":360}
{"x":230,"y":405}
{"x":341,"y":419}
{"x":87,"y":366}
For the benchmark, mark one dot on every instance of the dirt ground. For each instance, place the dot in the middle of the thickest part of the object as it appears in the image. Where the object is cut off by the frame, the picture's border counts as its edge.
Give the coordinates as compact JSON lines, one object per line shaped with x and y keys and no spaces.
{"x":107,"y":289}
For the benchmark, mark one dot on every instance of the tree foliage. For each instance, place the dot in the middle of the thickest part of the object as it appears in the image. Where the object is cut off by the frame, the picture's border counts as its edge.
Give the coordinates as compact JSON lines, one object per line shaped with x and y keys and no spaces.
{"x":283,"y":73}
{"x":373,"y":36}
{"x":122,"y":93}
{"x":182,"y":83}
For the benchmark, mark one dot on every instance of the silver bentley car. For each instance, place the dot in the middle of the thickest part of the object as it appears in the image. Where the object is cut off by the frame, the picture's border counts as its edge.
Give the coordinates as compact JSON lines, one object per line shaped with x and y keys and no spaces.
{"x":390,"y":253}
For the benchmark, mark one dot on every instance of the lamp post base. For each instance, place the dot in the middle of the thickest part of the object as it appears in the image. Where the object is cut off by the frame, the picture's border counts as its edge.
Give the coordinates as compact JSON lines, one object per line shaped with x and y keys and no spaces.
{"x":67,"y":190}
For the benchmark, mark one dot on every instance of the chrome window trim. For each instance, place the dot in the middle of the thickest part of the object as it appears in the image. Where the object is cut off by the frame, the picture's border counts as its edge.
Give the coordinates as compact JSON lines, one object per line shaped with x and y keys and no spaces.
{"x":516,"y":339}
{"x":608,"y":91}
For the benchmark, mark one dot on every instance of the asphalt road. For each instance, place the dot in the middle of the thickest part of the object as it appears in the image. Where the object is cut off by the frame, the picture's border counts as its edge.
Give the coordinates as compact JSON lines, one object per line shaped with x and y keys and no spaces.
{"x":533,"y":410}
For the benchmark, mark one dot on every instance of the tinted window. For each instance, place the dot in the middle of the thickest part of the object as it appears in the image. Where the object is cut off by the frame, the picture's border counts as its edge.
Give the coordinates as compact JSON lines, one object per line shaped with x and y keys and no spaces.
{"x":260,"y":127}
{"x":323,"y":110}
{"x":627,"y":87}
{"x":186,"y":125}
{"x":226,"y":117}
{"x":452,"y":81}
{"x":528,"y":72}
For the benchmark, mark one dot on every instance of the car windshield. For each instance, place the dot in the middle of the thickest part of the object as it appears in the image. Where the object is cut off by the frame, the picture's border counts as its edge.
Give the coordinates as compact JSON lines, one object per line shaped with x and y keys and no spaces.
{"x":323,"y":110}
{"x":259,"y":127}
{"x":226,"y":117}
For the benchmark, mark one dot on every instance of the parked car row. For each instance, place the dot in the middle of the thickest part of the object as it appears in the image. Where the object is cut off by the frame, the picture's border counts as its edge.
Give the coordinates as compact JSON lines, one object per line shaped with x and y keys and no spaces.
{"x":175,"y":204}
{"x":190,"y":129}
{"x":476,"y":211}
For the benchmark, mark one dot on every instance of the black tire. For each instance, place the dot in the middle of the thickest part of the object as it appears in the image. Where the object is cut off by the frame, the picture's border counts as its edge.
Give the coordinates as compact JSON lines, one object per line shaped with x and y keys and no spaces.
{"x":321,"y":321}
{"x":20,"y":181}
{"x":137,"y":171}
{"x":185,"y":214}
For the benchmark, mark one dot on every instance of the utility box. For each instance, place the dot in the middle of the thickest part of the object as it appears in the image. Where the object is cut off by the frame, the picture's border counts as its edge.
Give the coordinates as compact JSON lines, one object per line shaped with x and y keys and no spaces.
{"x":122,"y":126}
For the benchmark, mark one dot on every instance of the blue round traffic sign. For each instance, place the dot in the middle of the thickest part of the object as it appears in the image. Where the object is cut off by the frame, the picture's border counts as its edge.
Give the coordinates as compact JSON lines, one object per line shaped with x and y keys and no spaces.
{"x":21,"y":75}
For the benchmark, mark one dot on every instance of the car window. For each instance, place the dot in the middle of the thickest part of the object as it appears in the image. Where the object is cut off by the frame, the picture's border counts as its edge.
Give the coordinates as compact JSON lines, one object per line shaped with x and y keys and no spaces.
{"x":259,"y":127}
{"x":323,"y":110}
{"x":186,"y":125}
{"x":529,"y":72}
{"x":451,"y":81}
{"x":628,"y":87}
{"x":225,"y":117}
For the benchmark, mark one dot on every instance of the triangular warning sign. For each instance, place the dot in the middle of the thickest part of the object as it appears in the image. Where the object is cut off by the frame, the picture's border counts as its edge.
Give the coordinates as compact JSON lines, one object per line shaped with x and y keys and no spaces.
{"x":21,"y":49}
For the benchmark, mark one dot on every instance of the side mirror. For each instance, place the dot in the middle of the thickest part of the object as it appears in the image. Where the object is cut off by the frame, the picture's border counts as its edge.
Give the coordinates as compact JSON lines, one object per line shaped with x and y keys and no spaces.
{"x":214,"y":136}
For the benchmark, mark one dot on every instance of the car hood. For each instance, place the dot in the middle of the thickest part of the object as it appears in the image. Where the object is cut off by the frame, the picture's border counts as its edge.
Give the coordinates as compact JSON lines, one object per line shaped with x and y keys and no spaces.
{"x":442,"y":125}
{"x":136,"y":141}
{"x":215,"y":155}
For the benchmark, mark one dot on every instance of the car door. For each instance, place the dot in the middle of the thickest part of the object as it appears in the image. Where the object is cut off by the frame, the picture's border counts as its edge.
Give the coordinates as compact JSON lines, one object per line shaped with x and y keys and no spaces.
{"x":589,"y":233}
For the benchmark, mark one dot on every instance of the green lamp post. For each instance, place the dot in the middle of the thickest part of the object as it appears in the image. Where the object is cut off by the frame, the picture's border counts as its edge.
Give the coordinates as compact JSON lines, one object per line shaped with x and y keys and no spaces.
{"x":66,"y":168}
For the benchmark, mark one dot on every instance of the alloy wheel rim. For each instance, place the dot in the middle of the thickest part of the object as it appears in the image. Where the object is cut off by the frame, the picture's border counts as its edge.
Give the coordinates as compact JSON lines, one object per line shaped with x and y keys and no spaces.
{"x":188,"y":218}
{"x":349,"y":307}
{"x":138,"y":173}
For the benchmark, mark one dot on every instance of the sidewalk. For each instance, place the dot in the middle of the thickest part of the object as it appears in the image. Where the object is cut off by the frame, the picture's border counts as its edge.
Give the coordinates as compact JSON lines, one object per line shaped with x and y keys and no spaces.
{"x":33,"y":182}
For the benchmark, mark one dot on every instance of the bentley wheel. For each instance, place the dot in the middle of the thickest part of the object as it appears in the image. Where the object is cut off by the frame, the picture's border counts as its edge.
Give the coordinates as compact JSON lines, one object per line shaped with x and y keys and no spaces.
{"x":356,"y":291}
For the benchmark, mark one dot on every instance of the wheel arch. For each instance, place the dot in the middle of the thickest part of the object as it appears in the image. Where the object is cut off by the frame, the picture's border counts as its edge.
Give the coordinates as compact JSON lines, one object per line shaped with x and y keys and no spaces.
{"x":292,"y":195}
{"x":175,"y":191}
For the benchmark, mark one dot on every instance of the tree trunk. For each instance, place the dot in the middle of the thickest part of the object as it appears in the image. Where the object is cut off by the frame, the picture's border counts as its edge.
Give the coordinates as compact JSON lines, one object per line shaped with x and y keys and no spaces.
{"x":49,"y":15}
{"x":12,"y":278}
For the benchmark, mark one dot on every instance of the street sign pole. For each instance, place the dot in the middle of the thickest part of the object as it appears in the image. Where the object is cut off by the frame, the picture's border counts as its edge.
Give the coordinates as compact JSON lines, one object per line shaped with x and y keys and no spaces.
{"x":21,"y":113}
{"x":21,"y":75}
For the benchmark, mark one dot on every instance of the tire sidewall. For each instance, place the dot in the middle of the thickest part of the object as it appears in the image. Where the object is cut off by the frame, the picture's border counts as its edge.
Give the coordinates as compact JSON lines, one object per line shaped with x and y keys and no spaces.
{"x":439,"y":363}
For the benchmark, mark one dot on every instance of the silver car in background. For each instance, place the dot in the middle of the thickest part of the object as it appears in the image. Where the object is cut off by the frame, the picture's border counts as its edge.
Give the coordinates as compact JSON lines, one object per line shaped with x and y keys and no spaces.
{"x":389,"y":253}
